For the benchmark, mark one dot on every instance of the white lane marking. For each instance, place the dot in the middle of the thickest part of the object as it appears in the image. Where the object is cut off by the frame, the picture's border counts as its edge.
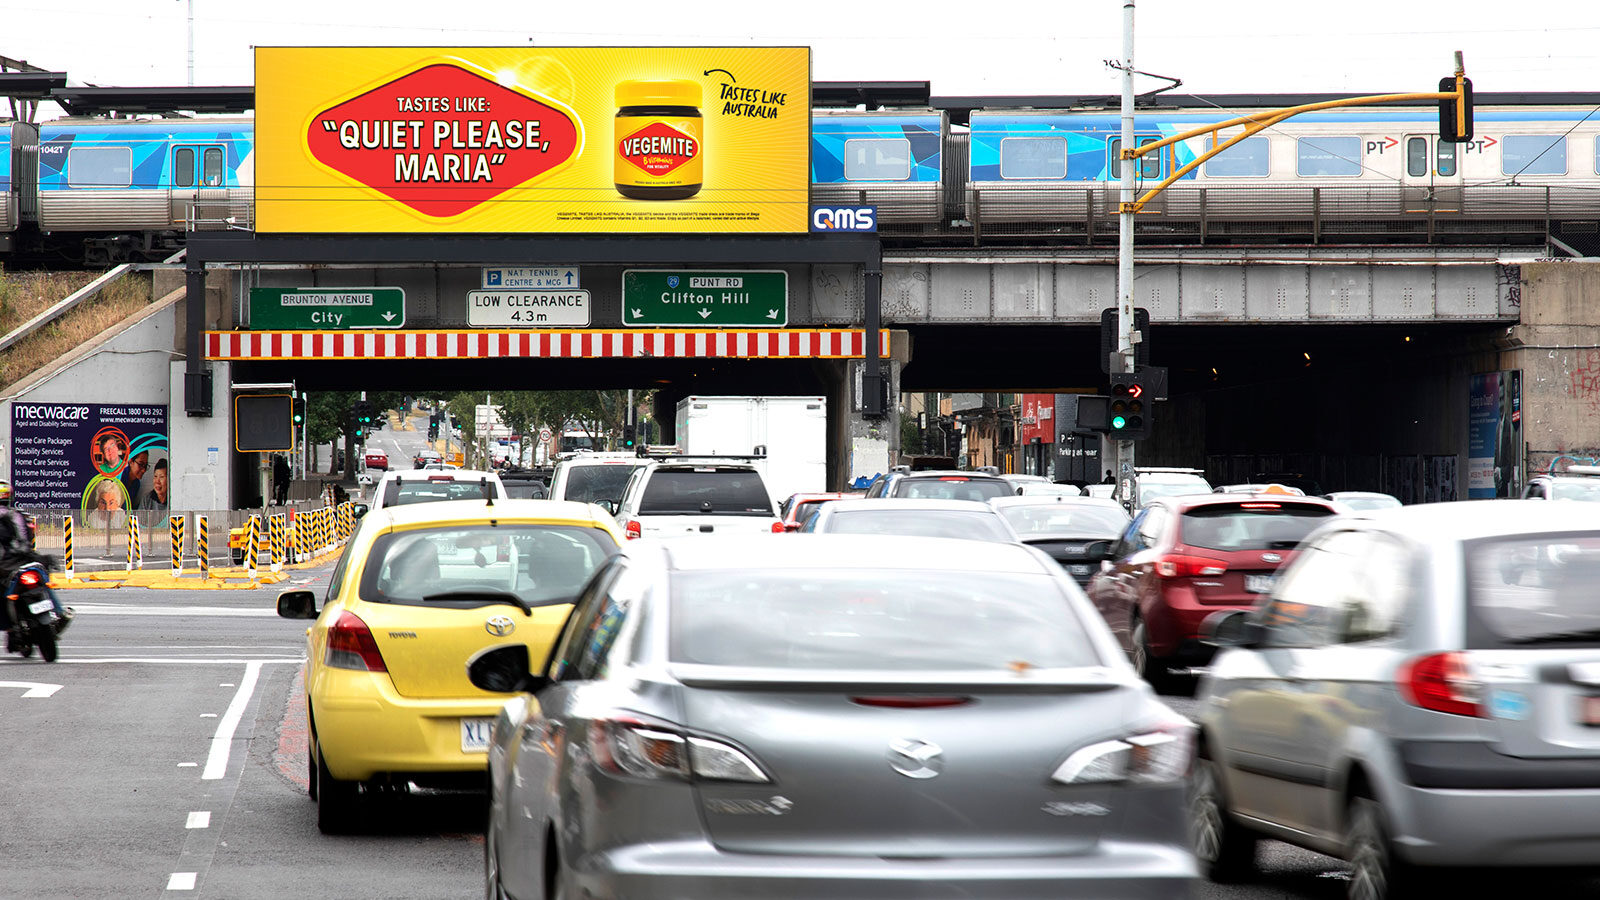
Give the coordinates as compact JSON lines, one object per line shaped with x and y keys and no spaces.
{"x":188,"y":765}
{"x":208,"y":715}
{"x":217,"y":762}
{"x":182,"y":881}
{"x":198,"y":820}
{"x":32,"y":689}
{"x":226,"y":684}
{"x":112,"y":609}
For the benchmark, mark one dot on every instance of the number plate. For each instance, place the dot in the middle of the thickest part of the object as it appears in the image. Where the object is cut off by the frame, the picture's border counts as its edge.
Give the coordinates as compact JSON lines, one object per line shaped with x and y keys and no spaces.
{"x":39,"y":606}
{"x":1589,"y":711}
{"x":1078,"y":569}
{"x":1259,"y":584}
{"x":475,"y":735}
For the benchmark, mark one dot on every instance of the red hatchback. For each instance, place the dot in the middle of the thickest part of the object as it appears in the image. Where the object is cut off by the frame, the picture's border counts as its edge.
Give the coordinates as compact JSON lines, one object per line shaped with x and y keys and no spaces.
{"x":798,"y":509}
{"x":1183,"y":558}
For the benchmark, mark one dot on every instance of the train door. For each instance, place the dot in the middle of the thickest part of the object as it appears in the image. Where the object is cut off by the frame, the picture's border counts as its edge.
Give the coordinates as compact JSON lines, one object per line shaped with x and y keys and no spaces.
{"x":199,"y":186}
{"x":1431,"y":179}
{"x":1152,"y":168}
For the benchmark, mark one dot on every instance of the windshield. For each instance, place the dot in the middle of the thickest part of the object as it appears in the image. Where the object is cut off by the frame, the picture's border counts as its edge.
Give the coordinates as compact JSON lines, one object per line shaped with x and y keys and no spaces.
{"x":593,"y":484}
{"x":1250,"y":526}
{"x":901,"y":620}
{"x":539,"y":565}
{"x":1066,"y":519}
{"x":1154,"y":490}
{"x":953,"y":488}
{"x":1539,"y":588}
{"x":400,"y":492}
{"x":1370,"y":502}
{"x":947,"y":523}
{"x":705,"y":490}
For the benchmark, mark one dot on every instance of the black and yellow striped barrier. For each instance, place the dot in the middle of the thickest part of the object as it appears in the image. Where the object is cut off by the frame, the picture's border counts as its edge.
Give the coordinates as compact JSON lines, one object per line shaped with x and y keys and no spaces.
{"x":135,"y":551}
{"x":202,"y":544}
{"x":252,"y":551}
{"x":175,"y":528}
{"x":66,"y":537}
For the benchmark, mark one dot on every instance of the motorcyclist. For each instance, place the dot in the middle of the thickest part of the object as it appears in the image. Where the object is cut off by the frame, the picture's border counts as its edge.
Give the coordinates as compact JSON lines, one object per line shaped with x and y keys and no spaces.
{"x":16,"y":548}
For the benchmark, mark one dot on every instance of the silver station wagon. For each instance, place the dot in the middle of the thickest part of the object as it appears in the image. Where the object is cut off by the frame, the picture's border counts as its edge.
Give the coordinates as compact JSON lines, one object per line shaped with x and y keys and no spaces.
{"x":1421,"y":692}
{"x":841,"y":716}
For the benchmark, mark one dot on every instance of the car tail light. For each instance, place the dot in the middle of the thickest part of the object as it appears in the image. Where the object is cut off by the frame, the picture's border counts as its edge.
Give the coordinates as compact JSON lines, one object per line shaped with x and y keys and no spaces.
{"x":1261,"y":506}
{"x":627,"y":746}
{"x":777,"y":528}
{"x":633,"y":530}
{"x":1159,"y":756}
{"x":350,"y":645}
{"x":1441,"y":682}
{"x":1178,"y":565}
{"x":28,"y":579}
{"x":892,"y":702}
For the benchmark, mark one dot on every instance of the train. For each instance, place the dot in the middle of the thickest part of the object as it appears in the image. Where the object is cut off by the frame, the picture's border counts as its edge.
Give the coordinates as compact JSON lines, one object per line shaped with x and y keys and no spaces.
{"x":103,"y":190}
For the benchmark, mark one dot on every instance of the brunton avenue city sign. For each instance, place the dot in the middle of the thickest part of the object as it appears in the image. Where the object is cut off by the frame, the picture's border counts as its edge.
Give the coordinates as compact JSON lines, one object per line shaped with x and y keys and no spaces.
{"x":327,"y":309}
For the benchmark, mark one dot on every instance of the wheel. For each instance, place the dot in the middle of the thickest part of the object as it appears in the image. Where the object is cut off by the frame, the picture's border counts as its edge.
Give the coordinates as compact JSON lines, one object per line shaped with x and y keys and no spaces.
{"x":47,"y":645}
{"x":1151,"y":668}
{"x":491,"y":863}
{"x":1376,"y":873}
{"x":1225,"y":849}
{"x":26,"y":649}
{"x":336,"y":800}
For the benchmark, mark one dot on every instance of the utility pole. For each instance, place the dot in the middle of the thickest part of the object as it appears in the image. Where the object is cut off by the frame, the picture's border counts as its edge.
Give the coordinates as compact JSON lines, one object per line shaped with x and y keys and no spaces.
{"x":191,"y":43}
{"x":1125,"y":320}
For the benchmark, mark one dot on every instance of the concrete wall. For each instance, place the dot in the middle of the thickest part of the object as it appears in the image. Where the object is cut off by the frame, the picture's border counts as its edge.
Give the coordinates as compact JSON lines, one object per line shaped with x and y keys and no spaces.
{"x":1557,"y":347}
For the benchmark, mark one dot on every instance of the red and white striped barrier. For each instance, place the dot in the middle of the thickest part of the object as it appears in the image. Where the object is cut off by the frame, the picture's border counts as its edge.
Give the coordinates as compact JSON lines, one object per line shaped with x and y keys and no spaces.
{"x":782,"y":343}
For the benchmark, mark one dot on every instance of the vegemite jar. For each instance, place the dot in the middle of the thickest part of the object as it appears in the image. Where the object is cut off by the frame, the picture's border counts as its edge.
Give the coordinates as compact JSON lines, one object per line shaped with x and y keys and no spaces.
{"x":658,"y":140}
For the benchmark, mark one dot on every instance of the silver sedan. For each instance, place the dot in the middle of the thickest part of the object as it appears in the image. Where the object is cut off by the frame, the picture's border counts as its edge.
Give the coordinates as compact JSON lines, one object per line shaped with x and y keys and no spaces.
{"x":965,"y":519}
{"x":842,"y":716}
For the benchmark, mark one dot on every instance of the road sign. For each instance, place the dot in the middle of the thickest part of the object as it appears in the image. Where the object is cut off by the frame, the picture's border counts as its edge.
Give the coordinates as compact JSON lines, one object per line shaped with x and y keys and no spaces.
{"x":528,"y":309}
{"x":656,"y":297}
{"x":531,"y":278}
{"x":335,"y":309}
{"x":545,"y":435}
{"x":261,"y":422}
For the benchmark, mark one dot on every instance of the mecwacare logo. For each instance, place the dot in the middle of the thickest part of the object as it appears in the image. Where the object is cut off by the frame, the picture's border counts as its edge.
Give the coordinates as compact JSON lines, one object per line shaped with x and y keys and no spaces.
{"x":658,"y":148}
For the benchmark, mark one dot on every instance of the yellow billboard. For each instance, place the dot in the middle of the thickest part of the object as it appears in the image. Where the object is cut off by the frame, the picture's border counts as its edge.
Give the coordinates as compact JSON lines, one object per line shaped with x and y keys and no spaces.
{"x":544,"y":140}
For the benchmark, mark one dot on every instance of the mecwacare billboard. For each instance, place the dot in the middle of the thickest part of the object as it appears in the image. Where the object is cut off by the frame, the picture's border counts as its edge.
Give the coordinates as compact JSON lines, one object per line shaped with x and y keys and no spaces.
{"x":510,"y":139}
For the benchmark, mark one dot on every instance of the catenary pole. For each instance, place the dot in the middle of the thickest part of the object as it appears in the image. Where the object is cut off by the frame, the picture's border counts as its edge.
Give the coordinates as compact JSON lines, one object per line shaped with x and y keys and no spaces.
{"x":1124,"y":359}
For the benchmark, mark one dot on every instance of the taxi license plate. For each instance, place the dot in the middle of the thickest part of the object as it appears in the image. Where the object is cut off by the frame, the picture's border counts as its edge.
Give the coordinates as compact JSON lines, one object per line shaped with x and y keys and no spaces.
{"x":1079,"y":569}
{"x":475,"y":735}
{"x":1589,"y":711}
{"x":1259,"y":584}
{"x":39,"y":606}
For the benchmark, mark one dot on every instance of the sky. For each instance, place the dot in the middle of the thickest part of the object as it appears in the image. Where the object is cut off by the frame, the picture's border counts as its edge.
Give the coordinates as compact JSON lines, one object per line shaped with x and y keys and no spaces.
{"x":1016,"y":47}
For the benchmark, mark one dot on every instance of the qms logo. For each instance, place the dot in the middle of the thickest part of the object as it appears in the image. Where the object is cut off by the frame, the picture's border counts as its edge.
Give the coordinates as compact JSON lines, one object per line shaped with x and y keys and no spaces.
{"x":844,"y":218}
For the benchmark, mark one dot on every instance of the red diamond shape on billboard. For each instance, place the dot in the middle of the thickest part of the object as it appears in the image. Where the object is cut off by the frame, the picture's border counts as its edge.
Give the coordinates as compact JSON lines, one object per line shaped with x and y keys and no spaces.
{"x":658,"y":148}
{"x":442,"y":139}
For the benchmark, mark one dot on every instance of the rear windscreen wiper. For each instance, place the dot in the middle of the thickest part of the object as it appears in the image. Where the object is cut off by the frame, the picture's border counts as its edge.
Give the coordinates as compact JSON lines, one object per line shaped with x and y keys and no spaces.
{"x":505,"y":597}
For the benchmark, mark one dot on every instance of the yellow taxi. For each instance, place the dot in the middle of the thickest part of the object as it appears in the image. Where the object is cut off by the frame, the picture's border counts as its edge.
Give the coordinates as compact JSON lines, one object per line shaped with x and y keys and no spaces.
{"x":420,"y":590}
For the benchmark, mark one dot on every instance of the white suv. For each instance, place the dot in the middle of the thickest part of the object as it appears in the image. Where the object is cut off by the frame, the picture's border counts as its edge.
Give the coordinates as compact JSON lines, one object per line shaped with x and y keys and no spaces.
{"x":399,"y":487}
{"x":594,"y":477}
{"x":687,"y":495}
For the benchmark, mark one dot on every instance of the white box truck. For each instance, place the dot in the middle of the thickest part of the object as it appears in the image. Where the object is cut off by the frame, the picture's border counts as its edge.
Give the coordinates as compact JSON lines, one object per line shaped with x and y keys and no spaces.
{"x":791,"y":431}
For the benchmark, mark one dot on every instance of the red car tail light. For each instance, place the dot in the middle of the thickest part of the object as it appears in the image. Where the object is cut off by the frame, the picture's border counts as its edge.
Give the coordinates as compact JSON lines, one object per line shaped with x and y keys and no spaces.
{"x":777,"y":528}
{"x":892,"y":702}
{"x":1441,"y":682}
{"x":351,"y":646}
{"x":629,"y":746}
{"x":633,"y":530}
{"x":1177,"y":565}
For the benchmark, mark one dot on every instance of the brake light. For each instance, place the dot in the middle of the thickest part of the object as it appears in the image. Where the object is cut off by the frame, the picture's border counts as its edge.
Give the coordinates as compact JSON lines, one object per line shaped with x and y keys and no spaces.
{"x":777,"y":528}
{"x":29,"y":578}
{"x":629,"y":746}
{"x":1261,"y":506}
{"x":911,"y":702}
{"x":441,"y":478}
{"x":351,"y":646}
{"x":954,"y":478}
{"x":1441,"y":682}
{"x":1177,"y":565}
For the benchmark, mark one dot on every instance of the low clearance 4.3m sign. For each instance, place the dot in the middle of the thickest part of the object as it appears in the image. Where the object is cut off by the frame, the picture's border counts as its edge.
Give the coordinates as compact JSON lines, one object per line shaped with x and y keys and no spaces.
{"x":485,"y":139}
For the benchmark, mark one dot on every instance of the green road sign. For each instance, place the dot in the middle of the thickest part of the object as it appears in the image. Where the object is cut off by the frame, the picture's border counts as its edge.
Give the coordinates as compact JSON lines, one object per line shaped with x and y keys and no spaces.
{"x":657,"y":297}
{"x":326,"y":309}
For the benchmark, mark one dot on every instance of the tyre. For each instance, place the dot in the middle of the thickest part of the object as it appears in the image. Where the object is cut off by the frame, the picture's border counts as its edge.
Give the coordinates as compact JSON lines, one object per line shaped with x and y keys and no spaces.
{"x":336,"y":800}
{"x":491,"y":863}
{"x":1376,"y":873}
{"x":1225,"y":849}
{"x":1151,"y":668}
{"x":47,"y":645}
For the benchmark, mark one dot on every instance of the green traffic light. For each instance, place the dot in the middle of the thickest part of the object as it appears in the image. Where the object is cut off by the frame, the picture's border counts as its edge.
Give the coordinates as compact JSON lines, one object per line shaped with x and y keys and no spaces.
{"x":1119,"y":423}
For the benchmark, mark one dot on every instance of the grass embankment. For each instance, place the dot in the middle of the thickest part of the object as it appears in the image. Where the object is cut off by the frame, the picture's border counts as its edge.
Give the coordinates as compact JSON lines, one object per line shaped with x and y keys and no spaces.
{"x":24,"y":295}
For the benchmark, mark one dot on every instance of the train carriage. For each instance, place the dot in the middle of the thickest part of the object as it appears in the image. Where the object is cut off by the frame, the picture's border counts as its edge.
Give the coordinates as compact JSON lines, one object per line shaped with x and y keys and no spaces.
{"x":892,"y":160}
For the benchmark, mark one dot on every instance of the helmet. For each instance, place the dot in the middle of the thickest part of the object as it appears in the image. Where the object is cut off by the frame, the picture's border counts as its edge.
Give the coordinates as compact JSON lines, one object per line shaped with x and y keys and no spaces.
{"x":5,"y":493}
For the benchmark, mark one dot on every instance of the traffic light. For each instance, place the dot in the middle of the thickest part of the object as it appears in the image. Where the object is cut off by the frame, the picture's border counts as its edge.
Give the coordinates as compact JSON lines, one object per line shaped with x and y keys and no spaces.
{"x":629,"y":437}
{"x":1128,"y":413}
{"x":299,"y":411}
{"x":363,"y":413}
{"x":1452,"y":127}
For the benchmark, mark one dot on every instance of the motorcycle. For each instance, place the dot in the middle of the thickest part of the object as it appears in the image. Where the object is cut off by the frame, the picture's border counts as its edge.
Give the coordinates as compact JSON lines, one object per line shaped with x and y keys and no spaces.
{"x":34,"y":621}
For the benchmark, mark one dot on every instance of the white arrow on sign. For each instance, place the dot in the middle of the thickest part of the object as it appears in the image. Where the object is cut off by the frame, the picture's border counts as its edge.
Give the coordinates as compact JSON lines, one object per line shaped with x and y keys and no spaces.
{"x":704,"y":313}
{"x":637,"y":314}
{"x":32,"y":689}
{"x":388,"y":317}
{"x":772,"y":314}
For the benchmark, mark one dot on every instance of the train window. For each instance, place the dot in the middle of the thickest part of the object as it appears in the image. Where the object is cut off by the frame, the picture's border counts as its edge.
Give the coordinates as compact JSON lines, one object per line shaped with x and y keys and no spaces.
{"x":1040,"y":157}
{"x":1446,"y":153}
{"x":1328,"y":156}
{"x":1533,"y":154}
{"x":100,"y":166}
{"x":1246,"y":159}
{"x":183,"y":167}
{"x":1417,"y":157}
{"x":213,"y":167}
{"x":877,"y":159}
{"x":1150,"y":164}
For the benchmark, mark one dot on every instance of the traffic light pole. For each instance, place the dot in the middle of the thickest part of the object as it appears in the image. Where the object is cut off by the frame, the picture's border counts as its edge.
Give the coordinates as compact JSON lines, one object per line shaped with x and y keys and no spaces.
{"x":1123,"y":362}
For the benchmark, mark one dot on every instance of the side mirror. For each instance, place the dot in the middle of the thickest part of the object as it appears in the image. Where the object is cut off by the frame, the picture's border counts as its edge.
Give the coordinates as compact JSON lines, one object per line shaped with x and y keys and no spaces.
{"x":609,"y":506}
{"x":1231,"y":628}
{"x":504,"y":670}
{"x":300,"y":604}
{"x":360,"y":509}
